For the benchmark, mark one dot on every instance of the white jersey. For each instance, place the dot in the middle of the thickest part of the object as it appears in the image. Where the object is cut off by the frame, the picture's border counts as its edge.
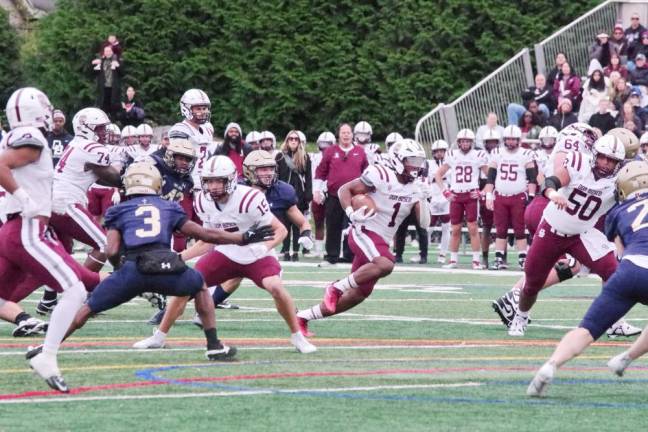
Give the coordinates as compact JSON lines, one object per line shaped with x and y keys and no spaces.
{"x":511,"y":169}
{"x":139,"y":153}
{"x":439,"y":205}
{"x":72,"y":179}
{"x":118,"y":158}
{"x":571,"y":142}
{"x":202,"y":138}
{"x":541,"y":158}
{"x":465,"y":169}
{"x":244,"y":208}
{"x":588,"y":198}
{"x":36,"y":177}
{"x":394,"y":200}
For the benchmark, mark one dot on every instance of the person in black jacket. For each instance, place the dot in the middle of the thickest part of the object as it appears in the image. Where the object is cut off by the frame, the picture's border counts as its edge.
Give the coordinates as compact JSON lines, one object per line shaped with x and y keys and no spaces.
{"x":131,"y":111}
{"x":294,"y":167}
{"x":540,"y":93}
{"x":58,"y":138}
{"x":564,"y":117}
{"x":556,"y":73}
{"x":603,"y":119}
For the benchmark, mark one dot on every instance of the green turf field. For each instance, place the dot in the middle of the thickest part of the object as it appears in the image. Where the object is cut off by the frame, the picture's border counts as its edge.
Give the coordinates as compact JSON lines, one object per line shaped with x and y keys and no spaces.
{"x":425,"y":352}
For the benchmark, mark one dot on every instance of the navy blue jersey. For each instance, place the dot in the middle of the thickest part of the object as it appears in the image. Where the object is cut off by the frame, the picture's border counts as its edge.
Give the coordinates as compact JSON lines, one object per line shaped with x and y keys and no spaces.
{"x":175,"y":187}
{"x":281,"y":196}
{"x":629,"y":220}
{"x":145,"y":220}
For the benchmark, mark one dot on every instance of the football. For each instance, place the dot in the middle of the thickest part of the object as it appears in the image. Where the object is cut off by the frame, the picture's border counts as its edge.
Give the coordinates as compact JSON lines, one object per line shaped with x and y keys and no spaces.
{"x":363,"y":200}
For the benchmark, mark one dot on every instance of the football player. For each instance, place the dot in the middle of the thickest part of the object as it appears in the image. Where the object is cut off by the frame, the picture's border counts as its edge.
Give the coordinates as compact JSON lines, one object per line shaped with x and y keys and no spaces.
{"x":101,"y":197}
{"x":268,"y":142}
{"x":85,"y":161}
{"x":492,"y":140}
{"x":466,"y":164}
{"x":143,"y":147}
{"x":129,"y":135}
{"x":512,"y":177}
{"x":27,"y":250}
{"x":225,"y":205}
{"x":626,"y":226}
{"x":580,"y":191}
{"x":395,"y":195}
{"x":195,"y":108}
{"x":139,"y":247}
{"x":325,"y":140}
{"x":439,"y":206}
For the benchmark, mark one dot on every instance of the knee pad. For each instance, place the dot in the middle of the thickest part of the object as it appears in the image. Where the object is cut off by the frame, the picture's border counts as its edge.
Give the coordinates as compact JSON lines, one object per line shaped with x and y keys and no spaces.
{"x":564,"y":270}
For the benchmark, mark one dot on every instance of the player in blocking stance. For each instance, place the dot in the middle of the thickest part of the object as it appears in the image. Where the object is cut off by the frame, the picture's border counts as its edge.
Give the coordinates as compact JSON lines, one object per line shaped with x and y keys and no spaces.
{"x":626,"y":225}
{"x":223,"y":204}
{"x":142,"y":227}
{"x":396,"y":195}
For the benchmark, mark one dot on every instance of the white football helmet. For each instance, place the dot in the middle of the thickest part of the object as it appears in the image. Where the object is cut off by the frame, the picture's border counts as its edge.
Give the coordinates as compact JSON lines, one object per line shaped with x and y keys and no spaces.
{"x":392,"y":138}
{"x":91,"y":124}
{"x":219,"y":167}
{"x":408,"y":158}
{"x":611,"y":147}
{"x":252,"y":139}
{"x":492,"y":139}
{"x":440,"y":145}
{"x":362,"y":133}
{"x":467,"y":138}
{"x":128,"y":131}
{"x":114,"y":134}
{"x":548,"y":136}
{"x":29,"y":106}
{"x":192,"y":98}
{"x":587,"y":133}
{"x":267,"y":141}
{"x":512,"y":136}
{"x":302,"y":137}
{"x":325,"y":139}
{"x":144,"y":134}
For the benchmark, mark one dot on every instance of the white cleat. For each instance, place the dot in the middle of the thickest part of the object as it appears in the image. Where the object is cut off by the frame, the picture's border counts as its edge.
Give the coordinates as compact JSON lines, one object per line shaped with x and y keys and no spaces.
{"x":541,"y":380}
{"x":29,"y":327}
{"x":441,"y":259}
{"x":150,"y":343}
{"x":46,"y":367}
{"x":450,"y":265}
{"x":618,"y":364}
{"x":476,"y":265}
{"x":622,"y":328}
{"x":518,"y":325}
{"x":301,"y":343}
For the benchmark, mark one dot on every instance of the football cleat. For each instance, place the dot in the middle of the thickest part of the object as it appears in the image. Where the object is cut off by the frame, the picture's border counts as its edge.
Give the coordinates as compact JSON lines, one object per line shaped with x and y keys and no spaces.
{"x":541,"y":380}
{"x":441,"y":259}
{"x":325,"y":264}
{"x":156,"y":300}
{"x":450,"y":265}
{"x":331,"y":297}
{"x":498,"y":264}
{"x":476,"y":265}
{"x":303,"y":346}
{"x":622,"y":328}
{"x":29,"y":327}
{"x":303,"y":327}
{"x":225,"y":304}
{"x":398,"y":259}
{"x":45,"y":307}
{"x":518,"y":325}
{"x":223,"y":352}
{"x":45,"y":366}
{"x":157,"y":318}
{"x":619,"y":363}
{"x":33,"y":351}
{"x":150,"y":343}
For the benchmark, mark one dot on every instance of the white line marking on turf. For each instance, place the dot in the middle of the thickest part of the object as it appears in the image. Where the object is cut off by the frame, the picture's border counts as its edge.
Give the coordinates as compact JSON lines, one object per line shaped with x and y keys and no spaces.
{"x":241,"y":393}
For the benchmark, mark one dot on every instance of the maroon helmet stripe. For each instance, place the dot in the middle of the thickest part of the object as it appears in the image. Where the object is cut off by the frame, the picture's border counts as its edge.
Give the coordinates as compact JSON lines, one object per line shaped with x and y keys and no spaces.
{"x":17,"y":104}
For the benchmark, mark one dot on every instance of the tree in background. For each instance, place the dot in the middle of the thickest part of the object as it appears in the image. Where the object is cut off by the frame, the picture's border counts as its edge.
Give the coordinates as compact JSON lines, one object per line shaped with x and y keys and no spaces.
{"x":305,"y":64}
{"x":10,"y":76}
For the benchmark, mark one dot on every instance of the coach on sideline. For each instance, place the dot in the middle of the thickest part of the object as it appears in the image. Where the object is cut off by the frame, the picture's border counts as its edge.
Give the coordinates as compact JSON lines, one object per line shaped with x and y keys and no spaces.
{"x":340,"y":164}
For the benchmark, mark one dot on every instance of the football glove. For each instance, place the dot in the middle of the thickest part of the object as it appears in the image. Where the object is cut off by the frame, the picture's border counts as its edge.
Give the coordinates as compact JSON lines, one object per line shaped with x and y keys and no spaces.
{"x":305,"y":240}
{"x":258,"y":233}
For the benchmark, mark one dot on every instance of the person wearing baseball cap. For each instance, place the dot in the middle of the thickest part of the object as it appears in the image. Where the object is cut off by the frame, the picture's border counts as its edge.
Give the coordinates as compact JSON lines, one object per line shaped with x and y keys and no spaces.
{"x":58,"y":138}
{"x":601,"y":49}
{"x":639,"y":76}
{"x":565,"y":116}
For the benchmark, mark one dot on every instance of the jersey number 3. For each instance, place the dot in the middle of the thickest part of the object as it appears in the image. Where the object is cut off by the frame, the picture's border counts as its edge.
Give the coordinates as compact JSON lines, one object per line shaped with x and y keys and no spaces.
{"x":151,"y":221}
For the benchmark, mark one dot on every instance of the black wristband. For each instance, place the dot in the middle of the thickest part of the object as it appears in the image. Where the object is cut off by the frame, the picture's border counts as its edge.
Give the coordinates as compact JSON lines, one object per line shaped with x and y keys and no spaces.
{"x":532,"y":175}
{"x":552,"y":182}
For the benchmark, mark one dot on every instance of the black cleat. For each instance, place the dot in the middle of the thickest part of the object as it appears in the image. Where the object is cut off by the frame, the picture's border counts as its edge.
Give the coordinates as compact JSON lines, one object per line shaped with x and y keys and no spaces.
{"x":30,"y":327}
{"x":46,"y":307}
{"x":225,"y":304}
{"x":157,"y":318}
{"x":58,"y":383}
{"x":33,"y":351}
{"x":223,"y":353}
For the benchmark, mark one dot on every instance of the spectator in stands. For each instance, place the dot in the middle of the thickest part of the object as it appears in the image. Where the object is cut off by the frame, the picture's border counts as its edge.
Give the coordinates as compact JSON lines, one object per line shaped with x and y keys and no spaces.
{"x":629,"y":120}
{"x":113,"y":43}
{"x":340,"y":164}
{"x":164,"y":139}
{"x":635,"y":100}
{"x":564,"y":117}
{"x":109,"y":71}
{"x":639,"y":76}
{"x":619,"y":44}
{"x":594,"y":89}
{"x":615,"y":66}
{"x":640,"y":47}
{"x":232,"y":146}
{"x":294,"y":167}
{"x":601,"y":49}
{"x":58,"y":138}
{"x":567,"y":87}
{"x":540,"y":118}
{"x":620,"y":94}
{"x":555,"y":74}
{"x":540,"y":93}
{"x":603,"y":119}
{"x":633,"y":32}
{"x":132,"y":111}
{"x":485,"y":129}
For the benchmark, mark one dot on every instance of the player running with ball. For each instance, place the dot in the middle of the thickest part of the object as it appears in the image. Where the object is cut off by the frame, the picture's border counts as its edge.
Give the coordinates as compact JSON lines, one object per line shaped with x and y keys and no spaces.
{"x":395,"y":195}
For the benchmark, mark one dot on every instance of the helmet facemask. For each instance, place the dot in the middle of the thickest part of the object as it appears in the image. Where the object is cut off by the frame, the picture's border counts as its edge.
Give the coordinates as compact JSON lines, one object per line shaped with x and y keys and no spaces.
{"x":200,"y":113}
{"x":217,"y":188}
{"x":465,"y":145}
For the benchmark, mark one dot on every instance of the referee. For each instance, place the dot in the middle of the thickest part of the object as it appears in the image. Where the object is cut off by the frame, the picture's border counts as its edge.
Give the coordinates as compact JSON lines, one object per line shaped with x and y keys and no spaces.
{"x":340,"y":164}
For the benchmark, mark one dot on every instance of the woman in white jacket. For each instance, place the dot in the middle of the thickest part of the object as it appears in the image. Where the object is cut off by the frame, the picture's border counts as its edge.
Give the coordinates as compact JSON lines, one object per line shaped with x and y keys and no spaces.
{"x":596,"y":87}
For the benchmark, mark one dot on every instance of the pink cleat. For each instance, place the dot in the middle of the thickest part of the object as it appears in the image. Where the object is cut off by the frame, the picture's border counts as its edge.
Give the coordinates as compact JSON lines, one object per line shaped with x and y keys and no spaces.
{"x":303,"y":327}
{"x":331,"y":297}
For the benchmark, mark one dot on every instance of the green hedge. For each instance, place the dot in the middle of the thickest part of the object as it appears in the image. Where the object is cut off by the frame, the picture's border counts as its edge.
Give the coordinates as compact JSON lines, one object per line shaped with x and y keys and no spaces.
{"x":276,"y":65}
{"x":9,"y":61}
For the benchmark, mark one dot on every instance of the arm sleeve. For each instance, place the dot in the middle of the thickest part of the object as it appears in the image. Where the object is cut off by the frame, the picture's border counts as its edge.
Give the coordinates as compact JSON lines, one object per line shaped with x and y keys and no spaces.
{"x":610,"y":229}
{"x":112,"y":219}
{"x":370,"y":177}
{"x":321,"y":173}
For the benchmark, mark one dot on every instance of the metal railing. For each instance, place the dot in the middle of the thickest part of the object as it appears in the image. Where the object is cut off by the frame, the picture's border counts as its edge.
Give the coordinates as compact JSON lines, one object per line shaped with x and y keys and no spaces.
{"x":492,"y":93}
{"x":575,"y":39}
